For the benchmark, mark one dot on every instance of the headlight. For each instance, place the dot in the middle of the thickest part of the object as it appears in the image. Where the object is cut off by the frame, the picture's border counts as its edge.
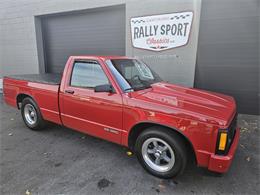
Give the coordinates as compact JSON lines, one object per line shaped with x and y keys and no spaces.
{"x":222,"y":142}
{"x":226,"y":137}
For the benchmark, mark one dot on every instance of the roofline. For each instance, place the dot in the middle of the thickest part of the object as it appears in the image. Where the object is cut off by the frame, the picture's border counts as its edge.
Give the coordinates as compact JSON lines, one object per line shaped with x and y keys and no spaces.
{"x":101,"y":57}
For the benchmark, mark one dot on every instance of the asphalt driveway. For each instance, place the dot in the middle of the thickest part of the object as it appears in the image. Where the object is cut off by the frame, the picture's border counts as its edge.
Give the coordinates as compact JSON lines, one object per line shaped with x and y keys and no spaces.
{"x":62,"y":161}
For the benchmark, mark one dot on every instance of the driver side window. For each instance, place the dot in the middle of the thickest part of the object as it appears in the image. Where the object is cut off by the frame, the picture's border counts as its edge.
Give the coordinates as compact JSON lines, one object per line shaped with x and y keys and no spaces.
{"x":88,"y":74}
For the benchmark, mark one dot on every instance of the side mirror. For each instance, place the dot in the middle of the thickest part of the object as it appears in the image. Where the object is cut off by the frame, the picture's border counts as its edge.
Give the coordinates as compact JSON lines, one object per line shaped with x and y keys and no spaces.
{"x":104,"y":88}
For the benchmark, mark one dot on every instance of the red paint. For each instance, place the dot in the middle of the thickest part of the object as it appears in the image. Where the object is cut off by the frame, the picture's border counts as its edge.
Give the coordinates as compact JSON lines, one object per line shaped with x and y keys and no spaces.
{"x":195,"y":113}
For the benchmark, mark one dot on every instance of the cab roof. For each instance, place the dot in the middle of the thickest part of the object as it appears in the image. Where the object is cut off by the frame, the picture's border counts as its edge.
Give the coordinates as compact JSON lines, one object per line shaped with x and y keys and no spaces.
{"x":101,"y":57}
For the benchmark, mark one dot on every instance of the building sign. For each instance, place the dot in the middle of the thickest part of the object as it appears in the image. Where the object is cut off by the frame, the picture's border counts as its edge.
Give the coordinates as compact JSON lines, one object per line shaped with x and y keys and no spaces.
{"x":161,"y":32}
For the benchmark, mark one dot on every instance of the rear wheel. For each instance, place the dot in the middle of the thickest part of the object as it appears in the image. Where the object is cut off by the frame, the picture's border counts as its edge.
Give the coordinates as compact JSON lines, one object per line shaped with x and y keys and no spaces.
{"x":161,"y":152}
{"x":31,"y":114}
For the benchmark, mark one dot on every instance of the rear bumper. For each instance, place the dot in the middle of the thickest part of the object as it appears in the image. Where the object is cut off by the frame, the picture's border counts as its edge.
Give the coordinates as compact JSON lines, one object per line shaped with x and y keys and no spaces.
{"x":220,"y":163}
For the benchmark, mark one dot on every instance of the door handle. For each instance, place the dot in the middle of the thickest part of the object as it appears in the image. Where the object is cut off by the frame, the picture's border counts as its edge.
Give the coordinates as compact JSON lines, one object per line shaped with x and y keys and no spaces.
{"x":69,"y":91}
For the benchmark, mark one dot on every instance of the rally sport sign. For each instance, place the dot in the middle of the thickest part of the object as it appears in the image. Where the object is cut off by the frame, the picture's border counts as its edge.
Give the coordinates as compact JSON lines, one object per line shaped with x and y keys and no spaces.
{"x":161,"y":32}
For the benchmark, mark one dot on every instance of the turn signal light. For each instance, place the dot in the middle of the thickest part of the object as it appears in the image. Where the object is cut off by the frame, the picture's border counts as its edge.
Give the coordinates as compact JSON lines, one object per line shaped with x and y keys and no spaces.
{"x":222,"y":141}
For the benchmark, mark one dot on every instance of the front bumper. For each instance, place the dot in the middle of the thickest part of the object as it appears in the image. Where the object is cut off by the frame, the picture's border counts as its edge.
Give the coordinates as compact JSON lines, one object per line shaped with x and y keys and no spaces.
{"x":220,"y":163}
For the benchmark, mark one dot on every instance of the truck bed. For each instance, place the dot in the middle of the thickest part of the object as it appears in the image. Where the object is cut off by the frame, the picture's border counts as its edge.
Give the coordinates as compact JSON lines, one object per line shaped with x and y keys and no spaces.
{"x":49,"y":78}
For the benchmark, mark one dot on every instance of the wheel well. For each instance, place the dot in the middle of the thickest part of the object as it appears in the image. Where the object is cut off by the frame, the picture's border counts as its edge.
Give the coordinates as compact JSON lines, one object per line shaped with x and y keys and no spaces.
{"x":139,"y":128}
{"x":20,"y":98}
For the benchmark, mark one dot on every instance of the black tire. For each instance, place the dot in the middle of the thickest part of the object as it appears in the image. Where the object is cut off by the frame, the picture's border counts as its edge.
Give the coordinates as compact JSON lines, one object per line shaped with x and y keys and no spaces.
{"x":39,"y":123}
{"x":176,"y":143}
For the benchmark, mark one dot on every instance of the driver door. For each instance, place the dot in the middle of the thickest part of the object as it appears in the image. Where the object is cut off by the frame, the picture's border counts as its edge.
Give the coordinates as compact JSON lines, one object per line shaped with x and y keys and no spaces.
{"x":95,"y":113}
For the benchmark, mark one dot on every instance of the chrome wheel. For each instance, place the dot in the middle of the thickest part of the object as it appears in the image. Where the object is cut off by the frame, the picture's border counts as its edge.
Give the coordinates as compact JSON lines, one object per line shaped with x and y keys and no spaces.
{"x":30,"y":114}
{"x":158,"y":155}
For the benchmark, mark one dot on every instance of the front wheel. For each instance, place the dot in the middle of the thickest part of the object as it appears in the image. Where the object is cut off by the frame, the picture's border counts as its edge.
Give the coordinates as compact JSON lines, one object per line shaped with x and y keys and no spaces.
{"x":161,"y":152}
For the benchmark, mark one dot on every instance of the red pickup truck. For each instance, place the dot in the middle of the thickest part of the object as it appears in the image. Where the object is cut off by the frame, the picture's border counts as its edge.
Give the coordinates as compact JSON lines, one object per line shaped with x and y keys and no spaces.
{"x":122,"y":100}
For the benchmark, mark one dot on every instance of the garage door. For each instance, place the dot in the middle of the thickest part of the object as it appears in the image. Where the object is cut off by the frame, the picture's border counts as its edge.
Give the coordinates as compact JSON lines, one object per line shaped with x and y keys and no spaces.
{"x":95,"y":32}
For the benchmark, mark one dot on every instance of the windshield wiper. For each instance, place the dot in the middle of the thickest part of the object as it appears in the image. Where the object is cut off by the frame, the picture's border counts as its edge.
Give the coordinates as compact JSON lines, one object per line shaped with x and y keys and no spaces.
{"x":129,"y":89}
{"x":146,"y":84}
{"x":137,"y":88}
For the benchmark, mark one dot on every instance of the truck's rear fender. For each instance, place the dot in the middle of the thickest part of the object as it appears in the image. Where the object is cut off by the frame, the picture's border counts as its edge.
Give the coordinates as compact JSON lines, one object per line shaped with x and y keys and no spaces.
{"x":48,"y":112}
{"x":48,"y":101}
{"x":44,"y":95}
{"x":11,"y":90}
{"x":20,"y":97}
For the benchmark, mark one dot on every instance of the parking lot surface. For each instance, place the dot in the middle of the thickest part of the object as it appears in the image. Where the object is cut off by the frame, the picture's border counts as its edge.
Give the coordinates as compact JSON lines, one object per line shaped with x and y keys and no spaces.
{"x":62,"y":161}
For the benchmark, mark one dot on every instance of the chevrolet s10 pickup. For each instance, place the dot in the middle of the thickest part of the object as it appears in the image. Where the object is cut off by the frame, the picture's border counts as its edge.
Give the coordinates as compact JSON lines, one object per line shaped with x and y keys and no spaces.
{"x":122,"y":100}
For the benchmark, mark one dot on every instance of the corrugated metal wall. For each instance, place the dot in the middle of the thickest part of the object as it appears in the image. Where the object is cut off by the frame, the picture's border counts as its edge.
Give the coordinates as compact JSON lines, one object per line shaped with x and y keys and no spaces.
{"x":98,"y":31}
{"x":228,"y":51}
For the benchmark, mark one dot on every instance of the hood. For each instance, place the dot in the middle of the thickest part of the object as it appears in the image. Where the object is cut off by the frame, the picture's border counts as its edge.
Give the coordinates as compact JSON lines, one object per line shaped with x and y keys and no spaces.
{"x":189,"y":102}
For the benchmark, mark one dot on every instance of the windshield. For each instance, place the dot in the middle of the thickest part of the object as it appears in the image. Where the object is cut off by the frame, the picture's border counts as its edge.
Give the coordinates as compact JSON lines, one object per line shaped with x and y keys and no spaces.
{"x":132,"y":74}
